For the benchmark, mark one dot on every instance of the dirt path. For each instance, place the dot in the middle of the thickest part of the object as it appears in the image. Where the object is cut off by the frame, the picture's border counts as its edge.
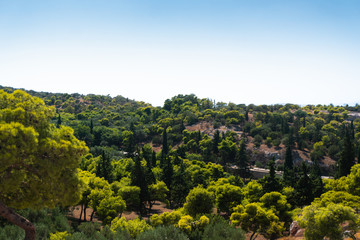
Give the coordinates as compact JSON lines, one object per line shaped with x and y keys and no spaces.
{"x":157,"y":208}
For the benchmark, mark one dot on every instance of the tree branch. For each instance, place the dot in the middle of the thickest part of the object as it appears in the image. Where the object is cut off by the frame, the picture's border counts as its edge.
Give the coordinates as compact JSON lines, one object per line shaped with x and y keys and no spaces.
{"x":18,"y":220}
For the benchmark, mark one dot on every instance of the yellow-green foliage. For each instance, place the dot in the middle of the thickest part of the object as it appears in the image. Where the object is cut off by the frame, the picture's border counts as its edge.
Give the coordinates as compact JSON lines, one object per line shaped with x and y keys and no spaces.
{"x":38,"y":162}
{"x":326,"y":221}
{"x":253,"y":217}
{"x":227,"y":195}
{"x":252,"y":192}
{"x":166,"y":218}
{"x":59,"y":235}
{"x":133,"y":227}
{"x":203,"y":222}
{"x":341,"y":197}
{"x":185,"y":223}
{"x":198,"y":201}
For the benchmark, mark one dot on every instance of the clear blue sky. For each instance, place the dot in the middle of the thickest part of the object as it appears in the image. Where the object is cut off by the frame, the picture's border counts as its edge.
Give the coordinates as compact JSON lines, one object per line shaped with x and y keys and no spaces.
{"x":254,"y":51}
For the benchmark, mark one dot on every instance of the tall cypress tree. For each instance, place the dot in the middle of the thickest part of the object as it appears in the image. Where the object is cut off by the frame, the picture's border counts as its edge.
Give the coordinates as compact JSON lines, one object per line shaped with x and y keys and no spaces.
{"x":347,"y":157}
{"x":138,"y":179}
{"x":216,"y":141}
{"x":304,"y":188}
{"x":180,"y":186}
{"x":270,"y":182}
{"x":58,"y":123}
{"x":104,"y":168}
{"x":288,"y":175}
{"x":165,"y":147}
{"x":91,"y":126}
{"x":242,"y":161}
{"x":315,"y":176}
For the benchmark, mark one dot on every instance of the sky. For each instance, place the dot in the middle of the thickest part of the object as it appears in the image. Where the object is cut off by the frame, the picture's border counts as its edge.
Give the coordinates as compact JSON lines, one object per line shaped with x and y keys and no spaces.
{"x":240,"y":51}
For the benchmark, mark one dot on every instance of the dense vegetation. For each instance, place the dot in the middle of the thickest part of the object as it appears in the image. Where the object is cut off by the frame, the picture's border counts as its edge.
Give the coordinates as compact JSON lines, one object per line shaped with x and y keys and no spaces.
{"x":189,"y":152}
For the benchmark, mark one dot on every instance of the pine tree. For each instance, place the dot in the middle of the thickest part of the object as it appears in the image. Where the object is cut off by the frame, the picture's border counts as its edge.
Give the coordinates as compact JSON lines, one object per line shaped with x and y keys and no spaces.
{"x":347,"y":157}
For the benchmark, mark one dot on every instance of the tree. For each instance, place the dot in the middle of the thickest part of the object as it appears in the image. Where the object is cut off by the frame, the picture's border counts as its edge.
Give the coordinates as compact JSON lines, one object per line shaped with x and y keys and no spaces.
{"x":216,"y":141}
{"x":288,"y":176}
{"x":321,"y":222}
{"x":347,"y":158}
{"x":315,"y":176}
{"x":180,"y":186}
{"x":278,"y":204}
{"x":270,"y":182}
{"x":227,"y":196}
{"x":165,"y":147}
{"x":128,"y":141}
{"x":157,"y":191}
{"x":253,"y":217}
{"x":104,"y":168}
{"x":110,"y":207}
{"x":242,"y":161}
{"x":138,"y":179}
{"x":37,"y":160}
{"x":199,"y":201}
{"x":304,"y":187}
{"x":58,"y":123}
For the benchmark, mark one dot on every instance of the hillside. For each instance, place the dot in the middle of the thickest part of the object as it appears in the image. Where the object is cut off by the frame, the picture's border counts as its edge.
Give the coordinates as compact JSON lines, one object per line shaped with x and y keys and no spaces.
{"x":193,"y":151}
{"x":265,"y":129}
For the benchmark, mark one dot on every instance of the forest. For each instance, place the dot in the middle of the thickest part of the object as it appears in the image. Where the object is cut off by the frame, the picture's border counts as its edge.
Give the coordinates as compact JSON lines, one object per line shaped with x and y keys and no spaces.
{"x":111,"y":155}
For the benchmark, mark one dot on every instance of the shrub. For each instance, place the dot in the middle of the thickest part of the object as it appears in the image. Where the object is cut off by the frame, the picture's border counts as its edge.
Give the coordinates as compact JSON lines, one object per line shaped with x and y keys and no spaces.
{"x":163,"y":232}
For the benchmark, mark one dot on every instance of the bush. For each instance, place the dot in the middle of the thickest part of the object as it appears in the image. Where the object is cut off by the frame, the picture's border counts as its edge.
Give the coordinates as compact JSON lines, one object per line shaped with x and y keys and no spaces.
{"x":11,"y":232}
{"x":163,"y":232}
{"x":219,"y":229}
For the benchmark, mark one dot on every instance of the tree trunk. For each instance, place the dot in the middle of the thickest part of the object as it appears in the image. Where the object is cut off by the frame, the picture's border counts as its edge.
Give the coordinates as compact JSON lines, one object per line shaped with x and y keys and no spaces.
{"x":81,"y":212}
{"x":84,"y":213}
{"x":18,"y":220}
{"x":92,"y":215}
{"x":253,"y":236}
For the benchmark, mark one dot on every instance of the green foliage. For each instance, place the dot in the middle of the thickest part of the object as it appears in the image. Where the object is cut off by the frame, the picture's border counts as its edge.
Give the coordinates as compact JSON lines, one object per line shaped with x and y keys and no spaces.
{"x":252,"y":191}
{"x":162,"y":232}
{"x":109,"y":208}
{"x":165,"y":218}
{"x":59,"y":235}
{"x":133,"y":227}
{"x":339,"y":197}
{"x":326,"y":221}
{"x":253,"y":217}
{"x":34,"y":154}
{"x":227,"y":196}
{"x":219,"y":229}
{"x":158,"y":191}
{"x":195,"y":201}
{"x":46,"y":221}
{"x":278,"y":204}
{"x":347,"y":158}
